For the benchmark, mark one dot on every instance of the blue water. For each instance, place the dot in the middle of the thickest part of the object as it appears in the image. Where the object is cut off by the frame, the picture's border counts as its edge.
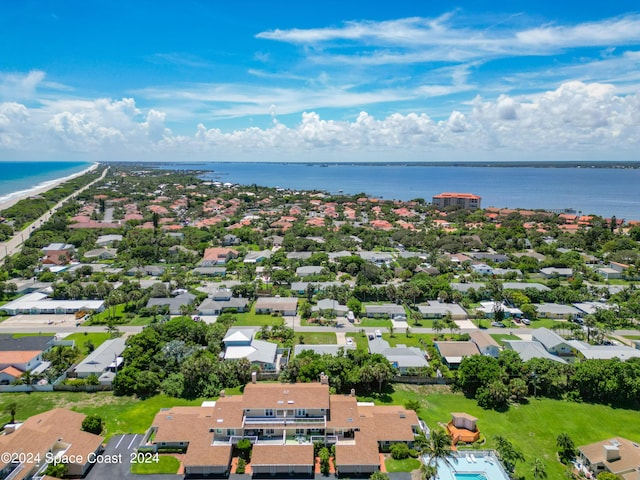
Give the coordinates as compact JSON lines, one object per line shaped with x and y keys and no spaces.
{"x":600,"y":191}
{"x":470,"y":476}
{"x":24,"y":176}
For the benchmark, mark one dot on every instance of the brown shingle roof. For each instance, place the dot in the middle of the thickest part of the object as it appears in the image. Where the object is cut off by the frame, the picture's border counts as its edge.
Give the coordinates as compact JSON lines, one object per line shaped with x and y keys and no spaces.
{"x":629,"y":454}
{"x":344,"y":412}
{"x":282,"y":455}
{"x":280,"y":395}
{"x":364,"y":452}
{"x":207,"y":455}
{"x":181,"y":424}
{"x":388,"y":423}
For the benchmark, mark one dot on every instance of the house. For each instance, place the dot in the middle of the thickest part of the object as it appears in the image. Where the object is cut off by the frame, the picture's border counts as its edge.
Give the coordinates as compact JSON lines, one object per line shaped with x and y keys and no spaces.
{"x":554,"y":272}
{"x":401,"y":357}
{"x":489,"y":309}
{"x":524,"y":285}
{"x":530,"y":349}
{"x":453,"y":352}
{"x":285,"y":306}
{"x":230,"y":240}
{"x":102,"y":253}
{"x":485,"y":343}
{"x":492,"y":257}
{"x":590,"y":308}
{"x":217,"y":256}
{"x":557,"y":311}
{"x":173,"y":303}
{"x":617,"y":455}
{"x":481,"y":269}
{"x":552,"y":342}
{"x":210,"y":271}
{"x":106,"y":359}
{"x":221,"y":300}
{"x":58,"y":253}
{"x":308,"y":271}
{"x":150,"y":270}
{"x":299,"y":255}
{"x":435,"y":309}
{"x":377,"y":258}
{"x":301,"y":287}
{"x":57,"y":431}
{"x":241,"y":343}
{"x":108,"y":240}
{"x":283,"y":421}
{"x":603,"y":352}
{"x":257,"y":257}
{"x":390,"y":310}
{"x":37,"y":303}
{"x":331,"y":306}
{"x":18,"y":355}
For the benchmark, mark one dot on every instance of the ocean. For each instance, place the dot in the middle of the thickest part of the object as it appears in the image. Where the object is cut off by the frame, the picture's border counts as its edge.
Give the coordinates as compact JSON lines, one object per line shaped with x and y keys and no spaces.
{"x":19,"y":177}
{"x":599,"y":191}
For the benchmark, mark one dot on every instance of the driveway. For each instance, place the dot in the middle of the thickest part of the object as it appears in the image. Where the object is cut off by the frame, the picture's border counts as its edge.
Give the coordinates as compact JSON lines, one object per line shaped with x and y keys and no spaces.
{"x":123,"y":445}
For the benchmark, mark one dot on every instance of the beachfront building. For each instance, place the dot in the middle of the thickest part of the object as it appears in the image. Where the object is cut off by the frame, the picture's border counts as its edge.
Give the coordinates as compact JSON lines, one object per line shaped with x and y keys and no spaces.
{"x":283,"y":421}
{"x":462,"y":200}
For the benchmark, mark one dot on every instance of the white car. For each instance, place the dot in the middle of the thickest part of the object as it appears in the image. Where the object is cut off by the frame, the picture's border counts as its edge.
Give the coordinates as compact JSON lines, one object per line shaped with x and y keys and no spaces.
{"x":378,"y":334}
{"x":349,"y":341}
{"x":526,"y":321}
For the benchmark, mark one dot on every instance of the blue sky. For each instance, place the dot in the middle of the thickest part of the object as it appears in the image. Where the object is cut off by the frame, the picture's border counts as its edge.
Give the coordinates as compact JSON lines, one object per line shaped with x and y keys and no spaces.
{"x":353,"y":81}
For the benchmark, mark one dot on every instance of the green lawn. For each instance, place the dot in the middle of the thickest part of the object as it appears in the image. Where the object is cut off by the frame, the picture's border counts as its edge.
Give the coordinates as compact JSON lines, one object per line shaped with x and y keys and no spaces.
{"x":406,"y":465}
{"x":413,"y":340}
{"x":165,"y":464}
{"x":97,"y":338}
{"x":544,"y":322}
{"x":253,"y":319}
{"x":501,"y":337}
{"x":632,"y":337}
{"x":532,"y":427}
{"x":120,"y":414}
{"x":374,"y":322}
{"x":316,"y":338}
{"x":102,"y":317}
{"x":361,"y":341}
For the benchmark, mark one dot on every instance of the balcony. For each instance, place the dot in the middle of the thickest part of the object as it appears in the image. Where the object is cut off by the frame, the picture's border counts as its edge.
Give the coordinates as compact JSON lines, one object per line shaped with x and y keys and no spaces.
{"x":299,"y":422}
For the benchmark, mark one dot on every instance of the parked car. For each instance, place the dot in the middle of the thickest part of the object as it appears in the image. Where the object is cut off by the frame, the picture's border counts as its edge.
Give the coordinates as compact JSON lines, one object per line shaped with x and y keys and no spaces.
{"x":498,"y":324}
{"x":526,"y":321}
{"x":378,"y":334}
{"x":349,"y":341}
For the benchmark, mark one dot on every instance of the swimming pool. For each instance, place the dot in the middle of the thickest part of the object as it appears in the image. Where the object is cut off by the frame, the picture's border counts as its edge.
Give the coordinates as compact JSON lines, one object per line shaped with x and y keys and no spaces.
{"x":470,"y":476}
{"x":471,"y":465}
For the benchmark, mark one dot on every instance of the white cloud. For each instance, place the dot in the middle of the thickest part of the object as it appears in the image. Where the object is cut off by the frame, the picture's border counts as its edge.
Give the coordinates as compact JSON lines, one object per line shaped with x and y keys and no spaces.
{"x":576,"y":120}
{"x":19,"y":86}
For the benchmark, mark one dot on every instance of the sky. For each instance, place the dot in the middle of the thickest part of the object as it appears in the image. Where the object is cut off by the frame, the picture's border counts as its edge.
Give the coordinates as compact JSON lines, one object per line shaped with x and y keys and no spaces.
{"x":330,"y":81}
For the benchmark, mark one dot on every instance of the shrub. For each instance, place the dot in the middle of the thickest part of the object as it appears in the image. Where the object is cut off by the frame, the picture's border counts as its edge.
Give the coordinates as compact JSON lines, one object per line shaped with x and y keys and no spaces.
{"x":399,"y":451}
{"x":241,"y":465}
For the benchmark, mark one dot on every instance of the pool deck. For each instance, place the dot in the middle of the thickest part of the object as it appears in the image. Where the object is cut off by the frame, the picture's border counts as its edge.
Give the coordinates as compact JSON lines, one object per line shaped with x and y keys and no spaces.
{"x":472,"y":461}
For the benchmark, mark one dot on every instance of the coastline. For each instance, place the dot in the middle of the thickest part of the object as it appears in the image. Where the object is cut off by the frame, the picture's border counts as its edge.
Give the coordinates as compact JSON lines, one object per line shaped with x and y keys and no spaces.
{"x":13,"y":198}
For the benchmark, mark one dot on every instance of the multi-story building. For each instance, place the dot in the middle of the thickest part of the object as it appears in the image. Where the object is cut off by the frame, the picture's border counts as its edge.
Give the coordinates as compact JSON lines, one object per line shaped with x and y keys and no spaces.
{"x":283,"y":421}
{"x":462,"y":200}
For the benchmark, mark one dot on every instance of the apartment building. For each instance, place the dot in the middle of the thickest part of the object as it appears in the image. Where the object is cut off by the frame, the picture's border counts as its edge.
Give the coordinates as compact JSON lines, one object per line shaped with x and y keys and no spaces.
{"x":463,"y":200}
{"x":283,"y":421}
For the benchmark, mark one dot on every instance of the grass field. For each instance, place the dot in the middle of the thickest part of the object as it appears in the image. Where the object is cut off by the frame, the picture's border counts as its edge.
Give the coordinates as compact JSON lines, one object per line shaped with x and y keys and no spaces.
{"x":120,"y":414}
{"x":253,"y":319}
{"x":501,"y":337}
{"x":20,"y":335}
{"x":165,"y":464}
{"x":406,"y":465}
{"x":316,"y":338}
{"x":97,"y":338}
{"x":413,"y":340}
{"x":374,"y":322}
{"x":532,"y":427}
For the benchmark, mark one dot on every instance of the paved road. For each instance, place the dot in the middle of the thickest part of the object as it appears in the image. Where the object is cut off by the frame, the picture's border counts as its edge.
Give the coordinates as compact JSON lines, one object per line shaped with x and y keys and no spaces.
{"x":14,"y":244}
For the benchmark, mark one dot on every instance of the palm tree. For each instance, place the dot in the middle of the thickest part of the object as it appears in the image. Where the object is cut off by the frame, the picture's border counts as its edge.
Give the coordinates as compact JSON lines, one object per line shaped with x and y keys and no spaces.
{"x":438,"y":448}
{"x":428,"y":472}
{"x":11,"y":409}
{"x":566,"y":446}
{"x":538,"y":468}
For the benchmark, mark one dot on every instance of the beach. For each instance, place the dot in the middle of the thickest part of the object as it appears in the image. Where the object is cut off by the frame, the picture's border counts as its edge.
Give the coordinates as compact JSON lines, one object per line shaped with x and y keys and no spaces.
{"x":13,"y":198}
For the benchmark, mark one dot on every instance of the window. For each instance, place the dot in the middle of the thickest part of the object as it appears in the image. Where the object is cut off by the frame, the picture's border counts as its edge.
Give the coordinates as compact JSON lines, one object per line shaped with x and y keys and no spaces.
{"x":219,"y":430}
{"x":269,"y":431}
{"x":301,"y":412}
{"x":269,"y":412}
{"x":231,"y":431}
{"x":300,"y":431}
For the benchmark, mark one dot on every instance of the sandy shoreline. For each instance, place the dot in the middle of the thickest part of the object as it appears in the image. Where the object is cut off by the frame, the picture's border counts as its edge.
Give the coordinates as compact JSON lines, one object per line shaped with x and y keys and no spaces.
{"x":48,"y":185}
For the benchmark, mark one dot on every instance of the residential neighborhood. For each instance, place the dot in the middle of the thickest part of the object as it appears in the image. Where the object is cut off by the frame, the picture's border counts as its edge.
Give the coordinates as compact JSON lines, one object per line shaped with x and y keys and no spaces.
{"x":314,"y":326}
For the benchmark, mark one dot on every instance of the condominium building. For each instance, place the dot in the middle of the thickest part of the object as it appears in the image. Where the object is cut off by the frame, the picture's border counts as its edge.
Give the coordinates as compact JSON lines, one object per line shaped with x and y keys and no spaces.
{"x":462,"y":200}
{"x":283,"y":421}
